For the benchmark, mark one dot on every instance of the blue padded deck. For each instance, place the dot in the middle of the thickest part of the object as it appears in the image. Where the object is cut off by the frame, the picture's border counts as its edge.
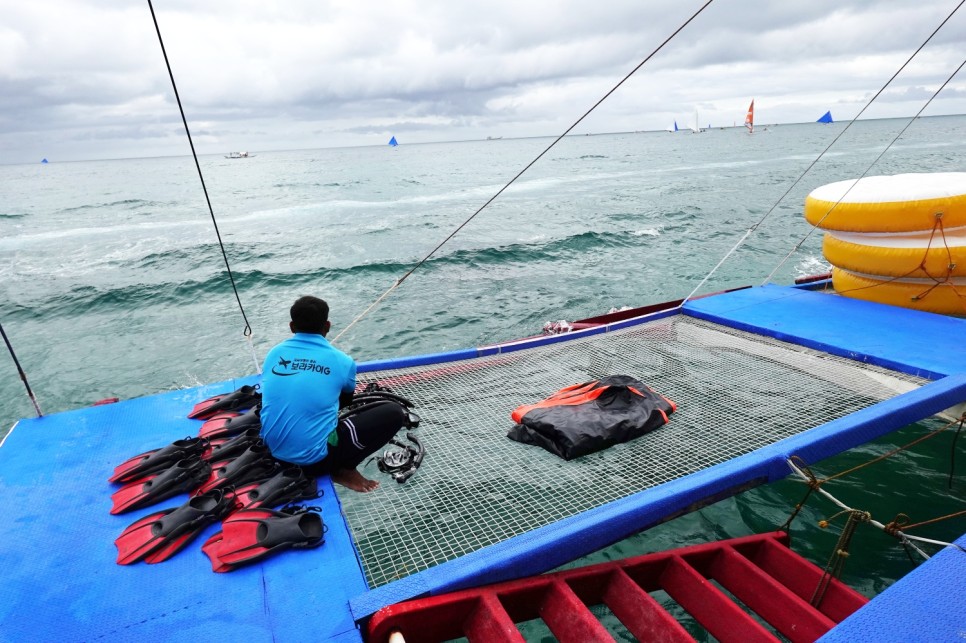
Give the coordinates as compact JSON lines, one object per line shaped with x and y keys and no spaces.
{"x":928,"y":604}
{"x":59,"y":581}
{"x":909,"y":341}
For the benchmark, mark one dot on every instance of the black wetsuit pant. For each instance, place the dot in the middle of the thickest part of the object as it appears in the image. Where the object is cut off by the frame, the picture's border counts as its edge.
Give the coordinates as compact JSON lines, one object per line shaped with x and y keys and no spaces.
{"x":359,"y":436}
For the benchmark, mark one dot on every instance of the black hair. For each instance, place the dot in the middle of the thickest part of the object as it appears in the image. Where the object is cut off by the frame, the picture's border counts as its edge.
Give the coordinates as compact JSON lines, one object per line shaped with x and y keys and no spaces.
{"x":309,"y":315}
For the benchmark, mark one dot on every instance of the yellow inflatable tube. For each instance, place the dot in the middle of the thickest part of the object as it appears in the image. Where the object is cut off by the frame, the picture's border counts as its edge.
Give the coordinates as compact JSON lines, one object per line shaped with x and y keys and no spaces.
{"x":899,"y":203}
{"x":938,"y":254}
{"x":948,"y":298}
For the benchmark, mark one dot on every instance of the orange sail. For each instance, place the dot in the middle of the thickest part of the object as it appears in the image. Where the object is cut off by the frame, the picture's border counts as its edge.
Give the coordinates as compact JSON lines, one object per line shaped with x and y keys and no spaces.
{"x":750,"y":118}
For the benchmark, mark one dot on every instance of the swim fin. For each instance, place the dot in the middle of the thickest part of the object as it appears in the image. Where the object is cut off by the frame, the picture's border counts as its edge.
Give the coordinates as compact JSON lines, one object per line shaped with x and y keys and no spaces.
{"x":256,"y":463}
{"x":183,"y":476}
{"x":161,"y":535}
{"x":250,"y":535}
{"x":228,"y":423}
{"x":243,"y":398}
{"x":221,"y":449}
{"x":288,"y":485}
{"x":157,"y":459}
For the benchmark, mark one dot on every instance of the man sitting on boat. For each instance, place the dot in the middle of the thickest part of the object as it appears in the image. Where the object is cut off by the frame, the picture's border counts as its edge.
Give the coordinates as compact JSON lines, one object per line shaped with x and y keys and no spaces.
{"x":305,"y":382}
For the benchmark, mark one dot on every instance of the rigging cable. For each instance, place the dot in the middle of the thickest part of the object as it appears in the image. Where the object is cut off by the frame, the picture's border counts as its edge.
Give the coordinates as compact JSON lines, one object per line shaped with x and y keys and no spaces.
{"x":527,"y":167}
{"x":23,"y":376}
{"x":248,"y":329}
{"x":867,"y":170}
{"x":891,"y":529}
{"x":750,"y":230}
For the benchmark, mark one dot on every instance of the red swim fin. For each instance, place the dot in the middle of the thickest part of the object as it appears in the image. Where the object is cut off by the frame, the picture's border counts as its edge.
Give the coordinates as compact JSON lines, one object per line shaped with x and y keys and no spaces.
{"x":243,"y":398}
{"x":288,"y":485}
{"x":254,"y":464}
{"x":183,"y":476}
{"x":229,"y":423}
{"x":161,"y":535}
{"x":250,"y":535}
{"x":157,"y":459}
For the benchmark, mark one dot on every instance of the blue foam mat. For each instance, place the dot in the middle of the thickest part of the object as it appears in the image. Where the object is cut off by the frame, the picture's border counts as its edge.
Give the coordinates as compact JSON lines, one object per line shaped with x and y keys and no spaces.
{"x":60,"y":581}
{"x":909,"y":341}
{"x":928,"y":604}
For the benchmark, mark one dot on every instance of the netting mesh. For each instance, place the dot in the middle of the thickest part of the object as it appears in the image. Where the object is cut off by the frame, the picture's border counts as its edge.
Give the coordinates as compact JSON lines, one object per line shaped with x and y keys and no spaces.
{"x":735,"y":392}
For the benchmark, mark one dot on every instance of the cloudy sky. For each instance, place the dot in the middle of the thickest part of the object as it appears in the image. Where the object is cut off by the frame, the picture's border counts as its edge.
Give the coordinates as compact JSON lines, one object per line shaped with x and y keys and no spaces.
{"x":85,"y":79}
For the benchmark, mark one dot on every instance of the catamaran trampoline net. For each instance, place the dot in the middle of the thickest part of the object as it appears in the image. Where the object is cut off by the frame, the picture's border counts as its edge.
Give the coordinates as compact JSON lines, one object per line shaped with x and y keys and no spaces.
{"x":735,"y":392}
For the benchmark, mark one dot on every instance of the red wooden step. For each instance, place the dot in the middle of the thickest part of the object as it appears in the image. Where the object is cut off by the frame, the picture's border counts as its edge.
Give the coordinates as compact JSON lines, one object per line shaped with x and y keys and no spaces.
{"x":708,"y":581}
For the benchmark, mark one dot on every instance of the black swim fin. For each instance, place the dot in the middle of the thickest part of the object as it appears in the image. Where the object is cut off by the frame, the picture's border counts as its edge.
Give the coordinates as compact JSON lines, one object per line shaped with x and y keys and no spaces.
{"x":250,"y":535}
{"x":243,"y":398}
{"x":288,"y":485}
{"x":221,"y":449}
{"x":157,"y":459}
{"x":182,"y":476}
{"x":256,"y":463}
{"x":228,"y":423}
{"x":161,"y":535}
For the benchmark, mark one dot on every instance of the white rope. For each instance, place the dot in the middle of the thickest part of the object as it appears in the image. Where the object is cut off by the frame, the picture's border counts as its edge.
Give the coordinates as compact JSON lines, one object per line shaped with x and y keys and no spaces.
{"x":903,"y":537}
{"x":720,"y":263}
{"x":251,"y":347}
{"x":371,"y":306}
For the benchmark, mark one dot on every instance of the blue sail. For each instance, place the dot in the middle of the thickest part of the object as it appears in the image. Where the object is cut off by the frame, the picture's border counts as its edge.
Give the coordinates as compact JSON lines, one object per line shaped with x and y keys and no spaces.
{"x":393,"y":142}
{"x":675,"y":126}
{"x":826,"y":118}
{"x":44,"y":161}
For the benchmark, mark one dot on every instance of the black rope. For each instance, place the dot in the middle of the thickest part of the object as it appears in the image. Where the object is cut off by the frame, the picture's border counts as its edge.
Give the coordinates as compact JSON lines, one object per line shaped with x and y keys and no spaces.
{"x":23,"y":376}
{"x":557,"y":140}
{"x":231,"y":277}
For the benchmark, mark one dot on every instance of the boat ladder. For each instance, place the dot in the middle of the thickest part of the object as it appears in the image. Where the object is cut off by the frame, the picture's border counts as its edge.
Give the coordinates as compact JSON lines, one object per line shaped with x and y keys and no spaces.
{"x":753,"y":588}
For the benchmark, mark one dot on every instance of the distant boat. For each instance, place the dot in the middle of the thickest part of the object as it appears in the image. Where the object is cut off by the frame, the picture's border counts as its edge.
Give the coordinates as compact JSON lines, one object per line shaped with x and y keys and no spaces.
{"x":239,"y":155}
{"x":750,"y":118}
{"x":826,"y":117}
{"x":493,"y":138}
{"x":44,"y":161}
{"x":694,"y":128}
{"x":675,"y":127}
{"x":392,"y":142}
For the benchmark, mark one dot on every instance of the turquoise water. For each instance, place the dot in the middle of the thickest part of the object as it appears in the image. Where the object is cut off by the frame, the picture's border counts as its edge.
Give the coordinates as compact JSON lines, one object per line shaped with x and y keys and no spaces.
{"x":114,"y":286}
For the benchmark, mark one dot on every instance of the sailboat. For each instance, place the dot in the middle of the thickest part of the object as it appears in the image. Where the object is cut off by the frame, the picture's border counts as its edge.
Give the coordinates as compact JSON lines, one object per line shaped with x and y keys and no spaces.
{"x":826,"y":117}
{"x":392,"y":142}
{"x":750,"y":118}
{"x":695,"y":129}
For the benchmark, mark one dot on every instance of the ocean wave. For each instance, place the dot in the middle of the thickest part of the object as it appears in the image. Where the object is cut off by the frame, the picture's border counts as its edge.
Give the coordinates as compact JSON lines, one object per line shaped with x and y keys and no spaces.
{"x":13,"y":215}
{"x":184,"y":275}
{"x":132,"y":204}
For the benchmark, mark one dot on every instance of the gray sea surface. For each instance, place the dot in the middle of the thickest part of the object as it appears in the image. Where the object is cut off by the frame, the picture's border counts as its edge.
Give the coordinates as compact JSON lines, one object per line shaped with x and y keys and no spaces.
{"x":113,"y":283}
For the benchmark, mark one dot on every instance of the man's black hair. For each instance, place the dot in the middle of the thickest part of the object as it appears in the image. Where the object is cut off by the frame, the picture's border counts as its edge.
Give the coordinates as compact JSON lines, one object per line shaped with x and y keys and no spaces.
{"x":309,"y":314}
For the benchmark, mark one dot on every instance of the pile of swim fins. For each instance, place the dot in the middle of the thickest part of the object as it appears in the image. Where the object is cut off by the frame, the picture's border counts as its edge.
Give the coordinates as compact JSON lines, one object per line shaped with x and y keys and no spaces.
{"x":227,"y":470}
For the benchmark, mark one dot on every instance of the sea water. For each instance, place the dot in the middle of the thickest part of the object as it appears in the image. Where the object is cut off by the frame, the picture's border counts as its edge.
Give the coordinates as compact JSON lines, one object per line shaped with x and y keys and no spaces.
{"x":114,"y":283}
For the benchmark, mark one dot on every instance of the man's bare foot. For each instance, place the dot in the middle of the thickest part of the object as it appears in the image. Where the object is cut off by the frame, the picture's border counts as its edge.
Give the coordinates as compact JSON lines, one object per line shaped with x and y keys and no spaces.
{"x":352,"y":479}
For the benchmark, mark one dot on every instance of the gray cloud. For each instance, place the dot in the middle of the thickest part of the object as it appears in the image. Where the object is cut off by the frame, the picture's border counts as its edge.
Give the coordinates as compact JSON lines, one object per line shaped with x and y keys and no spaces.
{"x":85,"y":78}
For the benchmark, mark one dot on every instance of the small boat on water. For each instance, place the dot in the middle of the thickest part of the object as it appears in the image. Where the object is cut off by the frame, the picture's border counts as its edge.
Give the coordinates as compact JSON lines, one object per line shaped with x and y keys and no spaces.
{"x":750,"y":117}
{"x":239,"y":155}
{"x":825,"y":118}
